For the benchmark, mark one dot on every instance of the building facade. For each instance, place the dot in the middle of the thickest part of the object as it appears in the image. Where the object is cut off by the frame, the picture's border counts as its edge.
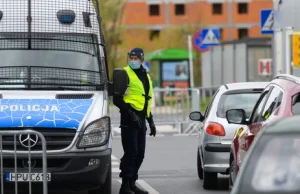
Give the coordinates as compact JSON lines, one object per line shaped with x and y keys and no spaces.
{"x":235,"y":18}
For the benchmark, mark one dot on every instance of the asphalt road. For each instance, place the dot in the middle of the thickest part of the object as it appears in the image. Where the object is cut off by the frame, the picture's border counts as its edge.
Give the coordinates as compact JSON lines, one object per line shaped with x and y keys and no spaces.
{"x":169,"y":167}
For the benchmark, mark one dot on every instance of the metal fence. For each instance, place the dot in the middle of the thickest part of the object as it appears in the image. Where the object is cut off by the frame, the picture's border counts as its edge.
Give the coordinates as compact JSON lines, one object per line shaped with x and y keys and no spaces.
{"x":172,"y":106}
{"x":10,"y":160}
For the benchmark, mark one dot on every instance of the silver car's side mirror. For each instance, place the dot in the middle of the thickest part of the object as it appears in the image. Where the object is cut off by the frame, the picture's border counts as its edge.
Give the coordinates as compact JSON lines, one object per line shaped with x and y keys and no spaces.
{"x":196,"y":116}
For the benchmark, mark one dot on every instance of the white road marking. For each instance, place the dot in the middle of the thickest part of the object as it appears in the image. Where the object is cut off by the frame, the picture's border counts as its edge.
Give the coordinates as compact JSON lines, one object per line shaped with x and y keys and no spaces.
{"x":115,"y":170}
{"x":140,"y":182}
{"x":115,"y":164}
{"x":114,"y":157}
{"x":145,"y":186}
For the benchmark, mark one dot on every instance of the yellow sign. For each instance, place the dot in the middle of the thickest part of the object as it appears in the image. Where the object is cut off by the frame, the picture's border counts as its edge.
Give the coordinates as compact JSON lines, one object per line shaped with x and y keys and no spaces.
{"x":296,"y":50}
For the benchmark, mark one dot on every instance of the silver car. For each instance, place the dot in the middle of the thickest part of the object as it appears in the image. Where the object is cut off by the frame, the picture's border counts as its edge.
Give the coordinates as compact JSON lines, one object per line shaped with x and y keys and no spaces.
{"x":216,"y":134}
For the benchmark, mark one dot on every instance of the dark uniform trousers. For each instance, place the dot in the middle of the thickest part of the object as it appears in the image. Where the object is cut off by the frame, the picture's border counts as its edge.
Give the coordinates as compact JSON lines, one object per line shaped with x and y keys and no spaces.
{"x":134,"y":144}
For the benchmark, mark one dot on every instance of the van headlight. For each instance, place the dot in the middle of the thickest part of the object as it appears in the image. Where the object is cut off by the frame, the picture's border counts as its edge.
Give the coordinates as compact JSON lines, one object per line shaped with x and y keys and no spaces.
{"x":95,"y":134}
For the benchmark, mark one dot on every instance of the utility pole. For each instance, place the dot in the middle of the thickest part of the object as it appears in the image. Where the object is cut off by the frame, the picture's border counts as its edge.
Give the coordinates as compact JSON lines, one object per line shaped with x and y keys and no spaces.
{"x":230,"y":19}
{"x":167,"y":13}
{"x":191,"y":61}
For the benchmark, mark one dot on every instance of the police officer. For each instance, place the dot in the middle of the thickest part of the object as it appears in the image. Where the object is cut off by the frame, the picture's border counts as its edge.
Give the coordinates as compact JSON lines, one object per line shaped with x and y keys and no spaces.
{"x":135,"y":110}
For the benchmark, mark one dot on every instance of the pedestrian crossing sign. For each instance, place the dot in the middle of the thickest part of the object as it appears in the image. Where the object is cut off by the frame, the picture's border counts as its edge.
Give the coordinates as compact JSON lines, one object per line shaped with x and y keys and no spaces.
{"x":267,"y":21}
{"x":210,"y":37}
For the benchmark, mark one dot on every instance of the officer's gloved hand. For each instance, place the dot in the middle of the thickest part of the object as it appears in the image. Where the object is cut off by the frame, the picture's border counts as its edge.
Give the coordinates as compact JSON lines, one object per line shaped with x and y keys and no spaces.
{"x":135,"y":119}
{"x":152,"y":126}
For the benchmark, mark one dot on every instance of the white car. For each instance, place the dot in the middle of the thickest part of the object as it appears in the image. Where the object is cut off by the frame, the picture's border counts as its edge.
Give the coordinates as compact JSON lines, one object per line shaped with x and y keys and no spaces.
{"x":216,"y":134}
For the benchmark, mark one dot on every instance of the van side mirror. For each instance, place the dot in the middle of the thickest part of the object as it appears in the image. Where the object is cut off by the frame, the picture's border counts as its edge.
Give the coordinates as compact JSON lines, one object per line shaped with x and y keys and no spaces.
{"x":120,"y":83}
{"x":236,"y":116}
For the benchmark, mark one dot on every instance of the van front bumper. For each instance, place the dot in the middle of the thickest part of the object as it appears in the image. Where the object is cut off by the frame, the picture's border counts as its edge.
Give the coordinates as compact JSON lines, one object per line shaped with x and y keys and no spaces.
{"x":70,"y":171}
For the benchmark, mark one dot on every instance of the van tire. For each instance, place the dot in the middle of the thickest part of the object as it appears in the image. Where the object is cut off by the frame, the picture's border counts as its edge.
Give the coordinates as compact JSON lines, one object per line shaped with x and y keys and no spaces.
{"x":106,"y":187}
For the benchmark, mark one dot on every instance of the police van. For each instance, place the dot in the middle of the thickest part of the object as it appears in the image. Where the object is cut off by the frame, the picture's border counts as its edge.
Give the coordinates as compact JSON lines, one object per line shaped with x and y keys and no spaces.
{"x":54,"y":80}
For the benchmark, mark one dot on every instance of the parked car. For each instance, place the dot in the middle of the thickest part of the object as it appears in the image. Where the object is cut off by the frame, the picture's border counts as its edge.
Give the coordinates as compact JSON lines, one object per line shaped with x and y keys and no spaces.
{"x":273,"y":160}
{"x":278,"y":100}
{"x":216,"y":134}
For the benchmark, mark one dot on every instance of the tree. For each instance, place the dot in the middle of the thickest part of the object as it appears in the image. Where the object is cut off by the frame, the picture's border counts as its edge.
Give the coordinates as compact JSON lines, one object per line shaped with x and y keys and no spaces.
{"x":111,"y":12}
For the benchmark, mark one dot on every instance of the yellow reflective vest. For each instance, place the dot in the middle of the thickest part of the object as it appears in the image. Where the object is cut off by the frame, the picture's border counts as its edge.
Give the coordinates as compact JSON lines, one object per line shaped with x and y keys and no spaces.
{"x":136,"y":96}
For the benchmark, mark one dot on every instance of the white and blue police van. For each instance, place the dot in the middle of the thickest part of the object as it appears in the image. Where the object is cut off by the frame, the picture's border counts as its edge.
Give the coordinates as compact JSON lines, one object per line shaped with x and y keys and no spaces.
{"x":54,"y":80}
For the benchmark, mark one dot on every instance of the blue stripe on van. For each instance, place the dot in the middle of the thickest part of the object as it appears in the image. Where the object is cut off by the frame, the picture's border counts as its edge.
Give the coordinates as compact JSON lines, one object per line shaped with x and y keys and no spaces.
{"x":50,"y":113}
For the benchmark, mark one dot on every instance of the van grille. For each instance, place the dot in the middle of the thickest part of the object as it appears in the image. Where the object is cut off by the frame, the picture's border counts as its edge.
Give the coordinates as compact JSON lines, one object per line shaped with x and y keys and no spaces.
{"x":56,"y":139}
{"x":74,"y":96}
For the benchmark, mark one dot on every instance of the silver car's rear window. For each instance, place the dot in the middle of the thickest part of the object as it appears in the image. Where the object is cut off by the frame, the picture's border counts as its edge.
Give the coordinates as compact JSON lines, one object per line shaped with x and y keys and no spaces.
{"x":244,"y":101}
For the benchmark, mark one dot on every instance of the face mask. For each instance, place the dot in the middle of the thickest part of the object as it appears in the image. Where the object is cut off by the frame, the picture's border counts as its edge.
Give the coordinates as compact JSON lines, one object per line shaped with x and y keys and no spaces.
{"x":134,"y":64}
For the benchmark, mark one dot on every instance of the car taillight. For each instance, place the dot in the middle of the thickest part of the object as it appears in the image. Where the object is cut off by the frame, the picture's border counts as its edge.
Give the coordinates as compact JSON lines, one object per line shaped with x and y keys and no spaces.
{"x":215,"y":129}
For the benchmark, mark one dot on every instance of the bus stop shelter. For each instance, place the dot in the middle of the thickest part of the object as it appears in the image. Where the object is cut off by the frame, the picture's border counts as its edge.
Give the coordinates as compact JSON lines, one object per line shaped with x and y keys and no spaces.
{"x":170,"y":67}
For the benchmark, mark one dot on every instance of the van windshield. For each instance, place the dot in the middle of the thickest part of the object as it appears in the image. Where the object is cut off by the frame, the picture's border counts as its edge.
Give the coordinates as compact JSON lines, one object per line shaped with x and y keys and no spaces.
{"x":50,"y":61}
{"x":49,"y":58}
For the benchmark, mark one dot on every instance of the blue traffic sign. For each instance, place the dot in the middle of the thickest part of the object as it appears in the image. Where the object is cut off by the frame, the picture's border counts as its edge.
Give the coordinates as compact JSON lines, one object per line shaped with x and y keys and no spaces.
{"x":266,"y":21}
{"x":202,"y":40}
{"x":210,"y":37}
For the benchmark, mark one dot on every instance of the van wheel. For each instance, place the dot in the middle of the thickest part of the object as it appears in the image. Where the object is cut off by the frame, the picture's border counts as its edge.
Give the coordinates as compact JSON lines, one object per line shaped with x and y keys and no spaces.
{"x":199,"y":165}
{"x":210,"y":180}
{"x":106,"y":187}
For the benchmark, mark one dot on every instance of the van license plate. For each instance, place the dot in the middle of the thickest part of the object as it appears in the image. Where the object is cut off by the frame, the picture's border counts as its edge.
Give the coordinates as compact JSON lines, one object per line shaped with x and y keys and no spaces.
{"x":24,"y":177}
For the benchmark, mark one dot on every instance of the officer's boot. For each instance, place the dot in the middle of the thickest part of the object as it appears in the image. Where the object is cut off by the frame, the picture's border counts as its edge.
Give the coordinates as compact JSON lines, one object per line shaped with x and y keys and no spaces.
{"x":125,"y":187}
{"x":136,"y":189}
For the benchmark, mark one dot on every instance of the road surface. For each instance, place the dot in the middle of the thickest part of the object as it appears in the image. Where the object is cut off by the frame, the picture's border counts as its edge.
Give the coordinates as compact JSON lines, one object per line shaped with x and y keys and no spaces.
{"x":169,"y":167}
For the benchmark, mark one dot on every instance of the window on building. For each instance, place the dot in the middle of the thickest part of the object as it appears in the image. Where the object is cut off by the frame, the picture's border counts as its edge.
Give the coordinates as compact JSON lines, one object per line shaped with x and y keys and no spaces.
{"x":243,"y":32}
{"x":153,"y":10}
{"x":154,"y":34}
{"x":217,"y":8}
{"x":179,"y":9}
{"x":243,"y":8}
